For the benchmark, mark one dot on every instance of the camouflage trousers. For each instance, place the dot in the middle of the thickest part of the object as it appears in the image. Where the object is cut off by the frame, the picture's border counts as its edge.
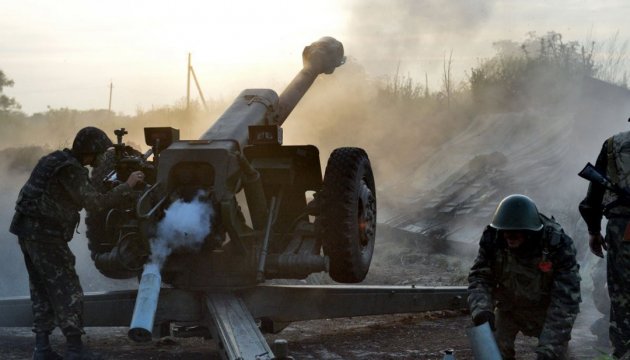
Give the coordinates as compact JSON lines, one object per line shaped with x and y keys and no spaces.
{"x":510,"y":322}
{"x":618,"y":276}
{"x":56,"y":294}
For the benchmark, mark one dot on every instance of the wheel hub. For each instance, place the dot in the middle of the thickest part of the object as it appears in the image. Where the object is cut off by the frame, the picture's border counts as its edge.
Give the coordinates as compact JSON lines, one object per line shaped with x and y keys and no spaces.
{"x":366,"y":214}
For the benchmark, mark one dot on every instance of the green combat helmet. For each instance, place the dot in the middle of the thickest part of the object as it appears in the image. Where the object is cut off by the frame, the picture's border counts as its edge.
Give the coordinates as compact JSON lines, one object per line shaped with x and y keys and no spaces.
{"x":517,"y":212}
{"x":90,"y":140}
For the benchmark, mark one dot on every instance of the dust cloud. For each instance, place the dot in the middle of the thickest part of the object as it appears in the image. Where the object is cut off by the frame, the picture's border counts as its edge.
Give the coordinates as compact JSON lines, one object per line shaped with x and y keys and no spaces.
{"x":442,"y":168}
{"x":417,"y":34}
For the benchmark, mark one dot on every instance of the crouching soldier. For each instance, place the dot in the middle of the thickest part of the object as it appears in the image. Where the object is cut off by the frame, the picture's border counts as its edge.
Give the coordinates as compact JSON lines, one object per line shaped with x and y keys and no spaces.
{"x":525,"y":279}
{"x":46,"y":216}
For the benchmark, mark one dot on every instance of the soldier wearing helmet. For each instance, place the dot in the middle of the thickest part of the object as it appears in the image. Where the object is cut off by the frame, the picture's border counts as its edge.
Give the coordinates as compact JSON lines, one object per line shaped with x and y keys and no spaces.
{"x":613,"y":161}
{"x":525,"y":279}
{"x":46,"y":217}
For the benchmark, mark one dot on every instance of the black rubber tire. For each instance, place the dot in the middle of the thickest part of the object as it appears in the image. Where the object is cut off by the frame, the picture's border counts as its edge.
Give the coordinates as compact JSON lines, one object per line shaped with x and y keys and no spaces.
{"x":347,"y":220}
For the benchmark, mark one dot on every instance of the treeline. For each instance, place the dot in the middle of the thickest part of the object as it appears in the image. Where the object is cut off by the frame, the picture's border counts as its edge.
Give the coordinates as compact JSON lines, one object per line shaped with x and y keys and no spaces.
{"x":398,"y":118}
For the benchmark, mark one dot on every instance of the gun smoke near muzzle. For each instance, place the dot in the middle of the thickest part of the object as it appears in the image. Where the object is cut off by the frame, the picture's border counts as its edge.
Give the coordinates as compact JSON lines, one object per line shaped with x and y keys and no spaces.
{"x":184,"y":226}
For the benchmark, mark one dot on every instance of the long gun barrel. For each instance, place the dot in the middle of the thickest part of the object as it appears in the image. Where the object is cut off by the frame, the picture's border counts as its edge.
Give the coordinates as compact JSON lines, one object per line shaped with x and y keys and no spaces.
{"x":264,"y":107}
{"x":321,"y":57}
{"x":217,"y":154}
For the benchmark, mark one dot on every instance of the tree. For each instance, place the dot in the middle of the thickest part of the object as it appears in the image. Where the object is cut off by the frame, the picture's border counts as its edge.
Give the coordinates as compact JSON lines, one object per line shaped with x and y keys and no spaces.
{"x":7,"y":103}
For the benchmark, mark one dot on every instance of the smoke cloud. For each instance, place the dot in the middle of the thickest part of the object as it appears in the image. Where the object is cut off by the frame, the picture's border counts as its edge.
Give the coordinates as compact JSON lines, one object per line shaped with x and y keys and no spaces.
{"x":185,"y":225}
{"x":415,"y":35}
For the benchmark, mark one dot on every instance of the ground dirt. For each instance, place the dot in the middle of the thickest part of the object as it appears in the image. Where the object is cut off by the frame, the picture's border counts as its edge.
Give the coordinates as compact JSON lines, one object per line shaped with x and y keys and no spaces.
{"x":401,"y":336}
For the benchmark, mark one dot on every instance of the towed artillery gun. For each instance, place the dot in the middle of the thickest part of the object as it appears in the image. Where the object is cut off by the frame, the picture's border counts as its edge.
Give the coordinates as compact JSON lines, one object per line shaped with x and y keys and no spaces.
{"x":215,"y":290}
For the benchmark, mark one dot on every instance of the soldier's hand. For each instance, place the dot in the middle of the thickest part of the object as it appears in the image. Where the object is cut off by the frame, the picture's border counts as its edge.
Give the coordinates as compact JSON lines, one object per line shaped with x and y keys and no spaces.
{"x":483,"y":317}
{"x":135,"y":178}
{"x":596,"y":243}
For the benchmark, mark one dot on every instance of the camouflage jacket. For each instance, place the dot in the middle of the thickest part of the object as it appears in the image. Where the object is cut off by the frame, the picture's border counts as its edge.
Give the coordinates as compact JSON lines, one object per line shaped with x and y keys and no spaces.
{"x":591,"y":208}
{"x":48,"y":205}
{"x":544,"y":275}
{"x":612,"y":161}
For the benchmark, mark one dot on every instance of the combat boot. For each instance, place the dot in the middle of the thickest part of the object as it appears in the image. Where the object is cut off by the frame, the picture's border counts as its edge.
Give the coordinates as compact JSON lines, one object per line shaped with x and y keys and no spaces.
{"x":75,"y":350}
{"x":43,"y":351}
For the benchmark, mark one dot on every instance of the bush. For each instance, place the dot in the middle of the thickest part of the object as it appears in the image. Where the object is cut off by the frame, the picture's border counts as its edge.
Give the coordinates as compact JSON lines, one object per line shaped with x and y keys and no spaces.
{"x":539,"y":70}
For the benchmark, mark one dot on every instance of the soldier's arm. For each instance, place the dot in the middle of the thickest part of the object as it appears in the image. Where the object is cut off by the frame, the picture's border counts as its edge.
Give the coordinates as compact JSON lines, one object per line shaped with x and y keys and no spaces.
{"x":75,"y":181}
{"x":565,"y":301}
{"x":481,"y":280}
{"x":591,"y":207}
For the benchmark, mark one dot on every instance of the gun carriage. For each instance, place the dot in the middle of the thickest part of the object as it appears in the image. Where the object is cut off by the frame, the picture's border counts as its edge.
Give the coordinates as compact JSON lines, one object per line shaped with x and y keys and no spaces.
{"x":264,"y":226}
{"x":242,"y":153}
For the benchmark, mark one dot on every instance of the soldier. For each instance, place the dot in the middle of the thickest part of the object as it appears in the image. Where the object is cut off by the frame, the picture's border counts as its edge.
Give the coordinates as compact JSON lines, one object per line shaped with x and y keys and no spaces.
{"x":114,"y":258}
{"x":526,"y":269}
{"x":613,"y":162}
{"x":46,"y":216}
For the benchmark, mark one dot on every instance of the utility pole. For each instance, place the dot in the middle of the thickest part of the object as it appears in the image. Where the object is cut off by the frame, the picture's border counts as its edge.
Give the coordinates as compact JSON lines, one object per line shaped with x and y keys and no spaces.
{"x":203,"y":100}
{"x":188,"y":83}
{"x":111,"y":87}
{"x":191,"y":70}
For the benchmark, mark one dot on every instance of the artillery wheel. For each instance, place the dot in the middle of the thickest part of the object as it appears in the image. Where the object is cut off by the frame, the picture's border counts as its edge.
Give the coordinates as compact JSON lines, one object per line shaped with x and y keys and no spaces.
{"x":347,"y":221}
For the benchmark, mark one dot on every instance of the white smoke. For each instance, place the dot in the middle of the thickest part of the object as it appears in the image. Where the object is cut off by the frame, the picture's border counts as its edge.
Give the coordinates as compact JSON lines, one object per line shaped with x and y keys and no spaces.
{"x":185,"y":225}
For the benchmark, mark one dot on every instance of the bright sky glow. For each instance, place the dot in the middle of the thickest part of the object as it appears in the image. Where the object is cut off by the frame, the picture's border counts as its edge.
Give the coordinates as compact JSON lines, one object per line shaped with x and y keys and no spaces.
{"x":65,"y":53}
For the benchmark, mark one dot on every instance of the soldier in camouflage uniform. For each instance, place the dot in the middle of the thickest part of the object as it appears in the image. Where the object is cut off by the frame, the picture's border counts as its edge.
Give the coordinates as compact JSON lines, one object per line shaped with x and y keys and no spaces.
{"x":113,"y":257}
{"x":525,"y":278}
{"x":47,"y":214}
{"x":614,"y":162}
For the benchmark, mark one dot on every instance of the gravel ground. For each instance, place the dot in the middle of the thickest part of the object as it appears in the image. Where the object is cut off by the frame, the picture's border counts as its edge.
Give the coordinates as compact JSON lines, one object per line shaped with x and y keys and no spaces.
{"x":401,"y":336}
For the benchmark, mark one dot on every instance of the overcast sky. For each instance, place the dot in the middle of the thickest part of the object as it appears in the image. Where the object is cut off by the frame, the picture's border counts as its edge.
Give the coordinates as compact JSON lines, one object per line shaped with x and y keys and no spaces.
{"x":65,"y":53}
